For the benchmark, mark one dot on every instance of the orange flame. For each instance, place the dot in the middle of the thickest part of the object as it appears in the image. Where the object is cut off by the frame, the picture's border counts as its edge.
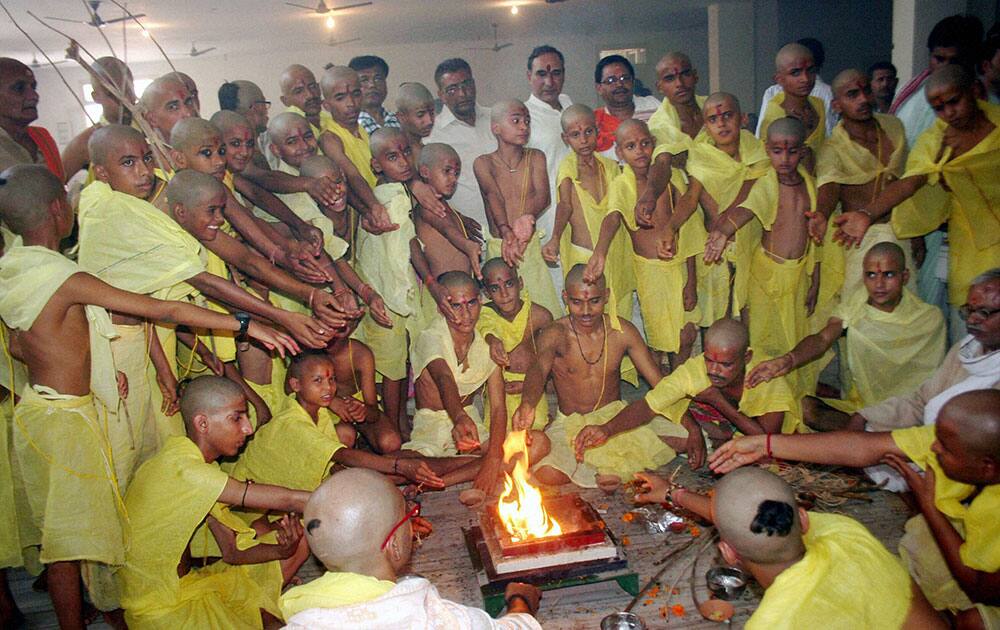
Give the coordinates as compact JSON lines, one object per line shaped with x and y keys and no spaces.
{"x":520,"y":508}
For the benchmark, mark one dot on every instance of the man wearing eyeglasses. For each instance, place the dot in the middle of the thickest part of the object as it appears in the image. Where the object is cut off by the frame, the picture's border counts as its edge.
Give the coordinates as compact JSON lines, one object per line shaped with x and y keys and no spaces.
{"x":615,"y":80}
{"x":466,"y":127}
{"x":361,"y":528}
{"x":373,"y":72}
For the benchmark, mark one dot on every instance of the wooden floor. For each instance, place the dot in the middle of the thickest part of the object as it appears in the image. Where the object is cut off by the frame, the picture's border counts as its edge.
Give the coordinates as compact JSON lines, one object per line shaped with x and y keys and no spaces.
{"x":443,"y":559}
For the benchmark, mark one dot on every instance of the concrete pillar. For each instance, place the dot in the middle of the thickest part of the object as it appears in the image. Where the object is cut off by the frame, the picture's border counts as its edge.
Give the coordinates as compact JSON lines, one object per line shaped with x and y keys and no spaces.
{"x":730,"y":50}
{"x":912,"y":21}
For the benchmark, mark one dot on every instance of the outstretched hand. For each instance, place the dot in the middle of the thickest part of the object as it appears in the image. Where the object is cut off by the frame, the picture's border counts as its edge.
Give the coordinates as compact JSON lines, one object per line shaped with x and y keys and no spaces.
{"x":590,"y":436}
{"x":851,"y":228}
{"x":769,"y":370}
{"x":737,"y":452}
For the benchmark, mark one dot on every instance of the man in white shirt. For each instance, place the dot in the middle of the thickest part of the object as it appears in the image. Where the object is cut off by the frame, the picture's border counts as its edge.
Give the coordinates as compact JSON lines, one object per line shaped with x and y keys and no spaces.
{"x":465,"y":126}
{"x":546,"y":74}
{"x":821,"y":90}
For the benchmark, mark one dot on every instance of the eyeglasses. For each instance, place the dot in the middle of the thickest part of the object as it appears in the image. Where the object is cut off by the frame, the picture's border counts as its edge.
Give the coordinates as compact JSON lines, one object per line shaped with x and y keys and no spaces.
{"x":966,"y":311}
{"x":264,"y":104}
{"x":465,"y":86}
{"x":413,"y":512}
{"x":622,"y":78}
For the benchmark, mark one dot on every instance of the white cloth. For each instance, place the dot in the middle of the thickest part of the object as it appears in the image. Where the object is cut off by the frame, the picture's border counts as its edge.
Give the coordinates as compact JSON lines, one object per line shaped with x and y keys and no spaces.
{"x":916,"y":114}
{"x":984,"y":373}
{"x":413,"y":604}
{"x":645,"y":107}
{"x":469,"y":142}
{"x":546,"y":136}
{"x":820,"y":90}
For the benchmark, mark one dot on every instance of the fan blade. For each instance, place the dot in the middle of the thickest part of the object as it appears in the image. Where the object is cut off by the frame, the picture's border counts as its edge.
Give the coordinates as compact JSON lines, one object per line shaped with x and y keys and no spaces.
{"x":502,"y":46}
{"x":301,"y":6}
{"x":344,"y":41}
{"x":49,"y":17}
{"x":122,"y":19}
{"x":479,"y":48}
{"x":195,"y":53}
{"x":350,"y":6}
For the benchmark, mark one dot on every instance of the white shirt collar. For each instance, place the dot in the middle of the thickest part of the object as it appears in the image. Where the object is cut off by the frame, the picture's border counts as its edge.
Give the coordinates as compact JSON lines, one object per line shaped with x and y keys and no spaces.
{"x":446,"y":117}
{"x":534,"y":102}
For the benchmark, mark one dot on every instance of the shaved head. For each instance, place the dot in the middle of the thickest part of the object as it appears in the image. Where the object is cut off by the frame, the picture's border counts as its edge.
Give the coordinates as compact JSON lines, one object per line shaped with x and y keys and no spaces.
{"x":10,"y":66}
{"x":846,"y":78}
{"x":105,"y":141}
{"x":890,"y":251}
{"x":503,"y":108}
{"x":575,"y":277}
{"x":411,"y":96}
{"x":114,"y":71}
{"x":728,"y":334}
{"x":279,"y":127}
{"x":975,"y":416}
{"x":676,"y":56}
{"x":190,"y":188}
{"x":348,"y":517}
{"x":383,"y":137}
{"x":949,"y":76}
{"x":247,"y":94}
{"x":497,"y":263}
{"x":721,"y":98}
{"x":318,"y":166}
{"x":225,"y":120}
{"x":457,"y":280}
{"x":291,"y":74}
{"x":757,"y":516}
{"x":630,"y":125}
{"x":333,"y":76}
{"x":190,"y":133}
{"x":207,"y":395}
{"x":160,"y":88}
{"x":432,"y":154}
{"x":790,"y":53}
{"x":787,"y":127}
{"x":26,"y":192}
{"x":574,"y":113}
{"x":303,"y":361}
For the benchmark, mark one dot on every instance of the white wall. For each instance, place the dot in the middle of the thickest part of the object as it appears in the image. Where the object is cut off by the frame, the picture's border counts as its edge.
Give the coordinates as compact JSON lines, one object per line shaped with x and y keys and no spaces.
{"x":498,"y":75}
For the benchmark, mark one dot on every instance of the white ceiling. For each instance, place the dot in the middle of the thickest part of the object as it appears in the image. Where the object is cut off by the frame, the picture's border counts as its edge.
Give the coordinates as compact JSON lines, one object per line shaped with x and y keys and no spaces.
{"x":238,"y":26}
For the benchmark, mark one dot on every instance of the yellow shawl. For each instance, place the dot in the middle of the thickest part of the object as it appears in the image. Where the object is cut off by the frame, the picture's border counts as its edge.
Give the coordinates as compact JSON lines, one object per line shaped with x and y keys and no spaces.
{"x":977,"y":520}
{"x":332,"y":590}
{"x":844,"y":161}
{"x":846,"y":579}
{"x":973,"y":215}
{"x":774,"y":112}
{"x":29,"y":277}
{"x":356,"y":148}
{"x":764,"y":196}
{"x":435,"y":342}
{"x":305,"y":208}
{"x":665,"y":125}
{"x":383,"y":260}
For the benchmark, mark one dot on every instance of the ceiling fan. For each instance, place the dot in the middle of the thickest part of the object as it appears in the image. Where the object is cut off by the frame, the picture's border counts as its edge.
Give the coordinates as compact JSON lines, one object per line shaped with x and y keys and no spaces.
{"x":342,"y":41}
{"x":194,"y":52}
{"x":96,"y":20}
{"x":497,"y":46}
{"x":322,"y":7}
{"x":35,"y":64}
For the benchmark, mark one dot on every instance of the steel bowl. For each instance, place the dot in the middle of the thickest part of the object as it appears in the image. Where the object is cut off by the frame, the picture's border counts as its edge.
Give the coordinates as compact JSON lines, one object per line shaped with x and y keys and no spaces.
{"x":623,"y":621}
{"x":726,"y":582}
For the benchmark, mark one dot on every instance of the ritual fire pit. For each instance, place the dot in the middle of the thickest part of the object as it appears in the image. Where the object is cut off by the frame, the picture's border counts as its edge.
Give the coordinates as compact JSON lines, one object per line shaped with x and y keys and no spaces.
{"x":558,"y":542}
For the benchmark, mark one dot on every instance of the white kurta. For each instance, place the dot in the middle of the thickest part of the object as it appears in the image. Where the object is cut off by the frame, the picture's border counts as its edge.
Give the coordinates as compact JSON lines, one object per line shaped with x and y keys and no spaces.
{"x":469,"y":142}
{"x":820,"y":90}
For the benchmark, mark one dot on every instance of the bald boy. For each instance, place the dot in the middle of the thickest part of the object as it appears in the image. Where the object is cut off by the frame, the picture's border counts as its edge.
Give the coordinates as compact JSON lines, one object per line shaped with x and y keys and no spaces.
{"x":182,"y":488}
{"x":960,"y":150}
{"x":795,"y":72}
{"x":358,"y":526}
{"x":811,"y":565}
{"x":952,"y":547}
{"x":679,"y":119}
{"x":893,"y":342}
{"x":415,"y":113}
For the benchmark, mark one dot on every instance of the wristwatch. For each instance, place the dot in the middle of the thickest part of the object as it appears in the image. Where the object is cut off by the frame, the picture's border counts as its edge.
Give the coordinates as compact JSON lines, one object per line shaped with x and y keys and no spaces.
{"x":244,"y":320}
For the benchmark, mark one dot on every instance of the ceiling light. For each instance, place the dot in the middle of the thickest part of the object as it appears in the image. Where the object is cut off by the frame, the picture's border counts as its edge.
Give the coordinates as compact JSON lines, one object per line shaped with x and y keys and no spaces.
{"x":513,"y":10}
{"x":145,"y":34}
{"x":329,"y":22}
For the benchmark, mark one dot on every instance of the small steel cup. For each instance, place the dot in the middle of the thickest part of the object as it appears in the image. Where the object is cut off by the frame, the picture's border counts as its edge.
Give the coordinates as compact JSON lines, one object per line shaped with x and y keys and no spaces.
{"x":623,"y":621}
{"x":726,"y":582}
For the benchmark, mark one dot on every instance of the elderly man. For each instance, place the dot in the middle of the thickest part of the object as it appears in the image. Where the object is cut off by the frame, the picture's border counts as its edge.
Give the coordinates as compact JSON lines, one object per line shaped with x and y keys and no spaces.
{"x":466,"y":127}
{"x":614,"y":77}
{"x":21,"y":143}
{"x":372,"y":74}
{"x":546,"y":73}
{"x":359,"y":526}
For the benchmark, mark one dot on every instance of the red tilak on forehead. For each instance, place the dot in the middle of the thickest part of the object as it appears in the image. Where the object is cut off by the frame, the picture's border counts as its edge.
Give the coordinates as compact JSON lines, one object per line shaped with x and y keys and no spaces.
{"x":718,"y":109}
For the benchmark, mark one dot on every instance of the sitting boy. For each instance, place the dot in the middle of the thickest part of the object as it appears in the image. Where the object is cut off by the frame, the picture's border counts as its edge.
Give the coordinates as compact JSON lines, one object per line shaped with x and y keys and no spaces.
{"x":811,"y":565}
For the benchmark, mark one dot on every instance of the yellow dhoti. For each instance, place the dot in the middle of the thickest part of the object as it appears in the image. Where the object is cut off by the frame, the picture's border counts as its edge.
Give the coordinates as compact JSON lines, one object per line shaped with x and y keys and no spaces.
{"x":431,"y":435}
{"x":10,"y":541}
{"x":533,"y":272}
{"x":624,"y":455}
{"x":777,"y":301}
{"x":661,"y":301}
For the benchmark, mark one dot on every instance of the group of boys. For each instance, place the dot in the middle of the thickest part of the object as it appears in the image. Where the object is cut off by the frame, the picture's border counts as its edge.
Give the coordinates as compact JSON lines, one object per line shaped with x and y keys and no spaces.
{"x":158,"y":353}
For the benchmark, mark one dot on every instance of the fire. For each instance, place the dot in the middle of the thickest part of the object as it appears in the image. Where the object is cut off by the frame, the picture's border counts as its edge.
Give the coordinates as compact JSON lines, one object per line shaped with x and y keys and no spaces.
{"x":520,"y":508}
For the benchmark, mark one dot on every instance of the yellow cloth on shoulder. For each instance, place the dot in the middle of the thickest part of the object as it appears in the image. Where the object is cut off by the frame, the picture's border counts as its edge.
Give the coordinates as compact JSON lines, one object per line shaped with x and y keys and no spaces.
{"x":332,"y":590}
{"x":665,"y":125}
{"x":841,"y":160}
{"x":511,"y":334}
{"x":671,"y":397}
{"x":977,"y":520}
{"x":291,"y":450}
{"x":383,"y":261}
{"x":846,"y":580}
{"x":973,"y":214}
{"x":888,"y":354}
{"x":435,"y":342}
{"x":534,"y":272}
{"x":722,"y":177}
{"x":775,"y":111}
{"x":171,"y":495}
{"x":305,"y":208}
{"x":356,"y":148}
{"x":624,"y":454}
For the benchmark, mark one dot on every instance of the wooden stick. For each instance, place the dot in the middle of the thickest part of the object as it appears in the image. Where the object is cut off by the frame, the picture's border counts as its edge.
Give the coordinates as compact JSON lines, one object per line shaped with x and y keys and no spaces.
{"x":93,"y":16}
{"x":51,"y":63}
{"x":136,"y":20}
{"x":52,"y":28}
